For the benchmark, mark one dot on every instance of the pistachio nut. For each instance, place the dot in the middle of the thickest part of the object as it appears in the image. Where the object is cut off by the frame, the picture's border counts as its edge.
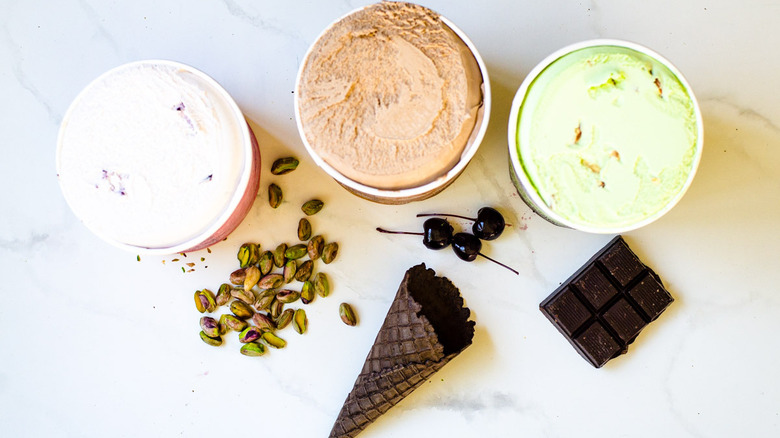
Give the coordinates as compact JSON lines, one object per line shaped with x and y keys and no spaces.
{"x":201,"y":302}
{"x":296,"y":251}
{"x":312,"y":207}
{"x":329,"y":252}
{"x":249,"y":334}
{"x":223,"y":294}
{"x":284,"y":165}
{"x":204,"y":301}
{"x":279,"y":255}
{"x":238,"y":276}
{"x":266,"y":262}
{"x":244,"y":295}
{"x":300,"y":322}
{"x":223,"y":328}
{"x":263,"y":322}
{"x":233,"y":322}
{"x":253,"y":349}
{"x":276,"y":308}
{"x":215,"y":341}
{"x":275,"y":195}
{"x":264,"y":301}
{"x":241,"y":309}
{"x":347,"y":314}
{"x":271,"y":281}
{"x":275,"y":341}
{"x":284,"y":319}
{"x":290,"y":268}
{"x":248,"y":254}
{"x":314,"y":247}
{"x":304,"y":270}
{"x":252,"y":277}
{"x":288,"y":296}
{"x":321,"y":284}
{"x":210,"y":326}
{"x":307,"y":292}
{"x":304,"y":229}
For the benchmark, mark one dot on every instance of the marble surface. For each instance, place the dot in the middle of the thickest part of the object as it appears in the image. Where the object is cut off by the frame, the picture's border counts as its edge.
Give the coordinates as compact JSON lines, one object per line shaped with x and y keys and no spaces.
{"x":95,"y":343}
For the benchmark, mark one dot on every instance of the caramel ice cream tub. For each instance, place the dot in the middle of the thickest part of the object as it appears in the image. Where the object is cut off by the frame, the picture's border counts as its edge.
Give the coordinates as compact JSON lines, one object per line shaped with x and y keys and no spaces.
{"x":392,"y":100}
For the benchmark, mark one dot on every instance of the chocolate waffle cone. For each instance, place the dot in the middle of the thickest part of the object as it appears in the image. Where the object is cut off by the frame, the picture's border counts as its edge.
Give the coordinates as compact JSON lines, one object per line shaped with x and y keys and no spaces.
{"x":424,"y":329}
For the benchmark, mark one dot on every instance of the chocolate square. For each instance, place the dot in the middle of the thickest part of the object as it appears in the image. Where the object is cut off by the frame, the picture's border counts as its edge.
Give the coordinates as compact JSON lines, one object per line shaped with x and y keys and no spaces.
{"x":624,"y":320}
{"x":651,"y":296}
{"x":597,"y":344}
{"x":603,"y":307}
{"x":569,"y":311}
{"x":595,"y":287}
{"x":622,"y":264}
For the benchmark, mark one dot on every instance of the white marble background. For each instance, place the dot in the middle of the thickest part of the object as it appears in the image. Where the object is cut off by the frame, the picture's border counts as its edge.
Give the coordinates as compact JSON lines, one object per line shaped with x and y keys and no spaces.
{"x":94,"y":343}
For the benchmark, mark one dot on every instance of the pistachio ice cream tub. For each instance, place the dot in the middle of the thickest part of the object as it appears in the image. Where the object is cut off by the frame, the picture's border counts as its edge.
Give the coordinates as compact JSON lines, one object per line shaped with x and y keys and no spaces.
{"x":604,"y":136}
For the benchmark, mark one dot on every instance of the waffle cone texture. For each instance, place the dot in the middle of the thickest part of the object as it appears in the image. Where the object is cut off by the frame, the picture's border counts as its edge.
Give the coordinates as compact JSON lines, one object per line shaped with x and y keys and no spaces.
{"x":424,"y":329}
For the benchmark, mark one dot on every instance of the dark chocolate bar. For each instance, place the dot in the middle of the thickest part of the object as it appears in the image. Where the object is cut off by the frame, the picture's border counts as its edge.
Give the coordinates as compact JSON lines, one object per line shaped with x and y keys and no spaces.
{"x":606,"y":303}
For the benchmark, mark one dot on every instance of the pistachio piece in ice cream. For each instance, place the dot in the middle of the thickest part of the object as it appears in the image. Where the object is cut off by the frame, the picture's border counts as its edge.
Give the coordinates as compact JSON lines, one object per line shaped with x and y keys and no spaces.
{"x":388,"y":96}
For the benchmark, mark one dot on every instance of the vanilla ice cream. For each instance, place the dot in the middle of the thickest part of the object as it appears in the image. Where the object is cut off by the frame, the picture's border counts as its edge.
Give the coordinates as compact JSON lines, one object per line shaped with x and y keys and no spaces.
{"x":153,"y":154}
{"x":389,"y":96}
{"x":607,"y":136}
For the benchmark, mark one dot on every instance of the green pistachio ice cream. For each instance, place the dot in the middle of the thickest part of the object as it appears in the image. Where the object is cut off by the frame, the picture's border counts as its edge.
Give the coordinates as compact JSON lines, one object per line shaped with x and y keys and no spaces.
{"x":607,"y":136}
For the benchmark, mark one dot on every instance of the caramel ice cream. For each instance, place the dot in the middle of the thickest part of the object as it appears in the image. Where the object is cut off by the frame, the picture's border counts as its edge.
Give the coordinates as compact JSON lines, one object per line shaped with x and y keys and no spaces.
{"x":389,"y":96}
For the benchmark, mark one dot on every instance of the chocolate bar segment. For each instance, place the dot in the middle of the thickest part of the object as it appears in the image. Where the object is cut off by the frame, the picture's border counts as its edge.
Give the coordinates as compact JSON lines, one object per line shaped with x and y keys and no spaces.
{"x":603,"y":307}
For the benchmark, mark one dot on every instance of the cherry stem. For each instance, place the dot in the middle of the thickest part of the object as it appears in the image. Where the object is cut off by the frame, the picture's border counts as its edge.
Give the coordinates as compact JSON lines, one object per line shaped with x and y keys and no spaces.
{"x":452,"y":215}
{"x":382,"y":230}
{"x":498,"y":263}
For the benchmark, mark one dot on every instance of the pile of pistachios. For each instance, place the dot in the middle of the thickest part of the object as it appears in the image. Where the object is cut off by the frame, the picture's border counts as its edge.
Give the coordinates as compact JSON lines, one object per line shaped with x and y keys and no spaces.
{"x":259,"y":290}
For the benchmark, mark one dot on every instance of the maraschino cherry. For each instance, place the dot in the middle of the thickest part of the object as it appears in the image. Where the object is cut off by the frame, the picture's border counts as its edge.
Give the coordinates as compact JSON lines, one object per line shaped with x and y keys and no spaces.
{"x":488,"y":225}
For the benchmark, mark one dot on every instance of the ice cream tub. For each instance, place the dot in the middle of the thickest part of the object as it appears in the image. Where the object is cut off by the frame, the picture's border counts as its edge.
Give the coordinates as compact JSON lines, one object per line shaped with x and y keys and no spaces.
{"x":392,"y":100}
{"x":155,"y":157}
{"x":604,"y":136}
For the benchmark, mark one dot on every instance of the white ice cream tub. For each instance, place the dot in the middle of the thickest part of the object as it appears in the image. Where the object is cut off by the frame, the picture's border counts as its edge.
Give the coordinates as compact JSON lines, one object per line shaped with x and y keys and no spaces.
{"x":125,"y":184}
